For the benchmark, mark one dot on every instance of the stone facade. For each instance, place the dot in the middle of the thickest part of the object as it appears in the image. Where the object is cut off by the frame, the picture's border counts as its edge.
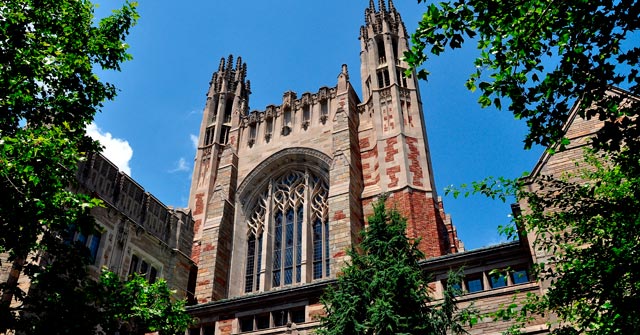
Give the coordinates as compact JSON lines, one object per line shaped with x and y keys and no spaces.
{"x":139,"y":233}
{"x":359,"y":149}
{"x":278,"y":195}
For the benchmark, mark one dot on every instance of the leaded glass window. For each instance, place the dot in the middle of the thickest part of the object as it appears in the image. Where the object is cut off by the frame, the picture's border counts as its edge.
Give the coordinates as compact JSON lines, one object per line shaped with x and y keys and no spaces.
{"x":294,"y":205}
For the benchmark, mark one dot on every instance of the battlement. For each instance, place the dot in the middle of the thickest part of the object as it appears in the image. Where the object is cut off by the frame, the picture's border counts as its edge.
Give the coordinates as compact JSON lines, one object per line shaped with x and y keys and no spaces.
{"x":102,"y":179}
{"x":294,"y":115}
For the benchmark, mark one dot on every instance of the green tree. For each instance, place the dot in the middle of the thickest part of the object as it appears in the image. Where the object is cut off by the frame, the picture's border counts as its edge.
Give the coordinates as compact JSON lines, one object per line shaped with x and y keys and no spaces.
{"x":541,"y":57}
{"x":137,"y":307}
{"x":49,"y":92}
{"x":383,"y":289}
{"x":589,"y":225}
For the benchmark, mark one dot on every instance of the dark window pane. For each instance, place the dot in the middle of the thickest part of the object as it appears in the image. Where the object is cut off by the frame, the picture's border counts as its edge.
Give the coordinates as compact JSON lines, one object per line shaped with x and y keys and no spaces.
{"x":498,"y":280}
{"x":457,"y":287}
{"x":144,"y":267}
{"x":520,"y":276}
{"x":262,"y":321}
{"x":208,"y":330}
{"x":297,"y":315}
{"x":259,"y":262}
{"x":277,"y":247}
{"x":288,"y":276}
{"x":317,"y":249}
{"x":93,"y":246}
{"x":82,"y":239}
{"x":474,"y":284}
{"x":251,"y":251}
{"x":134,"y":265}
{"x":279,"y":318}
{"x":326,"y":248}
{"x":246,"y":324}
{"x":153,"y":274}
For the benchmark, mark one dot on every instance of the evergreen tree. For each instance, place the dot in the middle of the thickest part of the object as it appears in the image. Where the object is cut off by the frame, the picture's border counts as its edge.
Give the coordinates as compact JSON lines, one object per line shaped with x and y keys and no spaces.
{"x":383,"y":289}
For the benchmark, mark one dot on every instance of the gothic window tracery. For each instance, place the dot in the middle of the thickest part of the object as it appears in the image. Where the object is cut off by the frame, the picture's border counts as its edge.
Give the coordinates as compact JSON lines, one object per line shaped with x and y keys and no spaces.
{"x":293,"y":206}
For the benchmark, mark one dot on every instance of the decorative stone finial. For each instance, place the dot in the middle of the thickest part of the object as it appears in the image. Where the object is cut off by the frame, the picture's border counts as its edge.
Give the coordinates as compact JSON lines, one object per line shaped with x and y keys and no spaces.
{"x":383,"y":7}
{"x":239,"y":63}
{"x":221,"y":66}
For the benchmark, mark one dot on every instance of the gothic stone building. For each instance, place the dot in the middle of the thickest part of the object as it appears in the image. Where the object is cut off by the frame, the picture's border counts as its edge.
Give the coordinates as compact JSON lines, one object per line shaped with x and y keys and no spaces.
{"x":279,"y":194}
{"x":138,"y":233}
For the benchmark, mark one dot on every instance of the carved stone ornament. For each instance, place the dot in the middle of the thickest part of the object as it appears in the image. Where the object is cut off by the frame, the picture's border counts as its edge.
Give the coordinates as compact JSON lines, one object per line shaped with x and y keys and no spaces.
{"x":253,"y":118}
{"x":270,"y":113}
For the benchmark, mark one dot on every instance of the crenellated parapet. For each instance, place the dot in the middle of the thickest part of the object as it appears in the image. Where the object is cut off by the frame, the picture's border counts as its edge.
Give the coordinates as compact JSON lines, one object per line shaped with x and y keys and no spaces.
{"x":295,"y":115}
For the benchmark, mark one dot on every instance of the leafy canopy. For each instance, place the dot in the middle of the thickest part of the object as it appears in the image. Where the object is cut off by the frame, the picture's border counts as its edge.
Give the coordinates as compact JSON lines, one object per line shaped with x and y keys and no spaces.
{"x":544,"y":59}
{"x":541,"y":56}
{"x":49,"y":92}
{"x":383,"y":289}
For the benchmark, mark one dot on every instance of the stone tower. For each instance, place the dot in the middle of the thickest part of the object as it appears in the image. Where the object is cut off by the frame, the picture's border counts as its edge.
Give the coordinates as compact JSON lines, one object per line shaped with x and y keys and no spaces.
{"x":215,"y":176}
{"x":278,"y":195}
{"x":393,"y":139}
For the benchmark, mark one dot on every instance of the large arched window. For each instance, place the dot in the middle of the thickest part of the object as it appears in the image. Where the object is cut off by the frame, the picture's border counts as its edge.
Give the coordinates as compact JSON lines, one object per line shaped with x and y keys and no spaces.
{"x":293,"y":210}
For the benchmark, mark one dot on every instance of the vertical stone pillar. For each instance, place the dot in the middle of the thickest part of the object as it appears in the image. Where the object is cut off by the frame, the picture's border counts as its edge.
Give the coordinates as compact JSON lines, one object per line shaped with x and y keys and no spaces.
{"x":217,"y":232}
{"x":345,"y":189}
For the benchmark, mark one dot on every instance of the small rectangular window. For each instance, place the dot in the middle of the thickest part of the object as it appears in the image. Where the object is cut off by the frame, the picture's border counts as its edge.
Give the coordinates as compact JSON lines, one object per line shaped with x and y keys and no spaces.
{"x":208,"y":330}
{"x":246,"y":323}
{"x":262,"y":321}
{"x":474,"y":284}
{"x":134,"y":265}
{"x":144,"y":267}
{"x":306,"y":113}
{"x":94,"y":244}
{"x":457,"y":286}
{"x":297,"y":315}
{"x":153,"y":274}
{"x":279,"y":318}
{"x":498,"y":280}
{"x":520,"y":276}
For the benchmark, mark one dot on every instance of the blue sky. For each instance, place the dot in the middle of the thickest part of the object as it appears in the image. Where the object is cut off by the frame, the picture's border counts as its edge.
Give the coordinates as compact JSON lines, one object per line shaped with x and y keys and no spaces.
{"x":300,"y":46}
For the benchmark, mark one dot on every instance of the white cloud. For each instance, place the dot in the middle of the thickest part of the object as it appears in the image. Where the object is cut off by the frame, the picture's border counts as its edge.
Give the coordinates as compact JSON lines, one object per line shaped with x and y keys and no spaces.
{"x":194,"y":140}
{"x":116,"y":150}
{"x":181,"y":166}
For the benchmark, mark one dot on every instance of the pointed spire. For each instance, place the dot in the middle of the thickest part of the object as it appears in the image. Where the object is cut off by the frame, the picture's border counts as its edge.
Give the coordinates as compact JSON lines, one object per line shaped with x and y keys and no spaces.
{"x":238,"y":63}
{"x":230,"y":62}
{"x":372,"y":6}
{"x":383,"y":7}
{"x":221,"y":66}
{"x":392,"y":7}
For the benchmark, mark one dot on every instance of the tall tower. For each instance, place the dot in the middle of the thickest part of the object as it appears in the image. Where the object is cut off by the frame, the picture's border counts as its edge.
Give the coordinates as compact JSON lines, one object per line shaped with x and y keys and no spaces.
{"x":393,"y":141}
{"x":214,"y":178}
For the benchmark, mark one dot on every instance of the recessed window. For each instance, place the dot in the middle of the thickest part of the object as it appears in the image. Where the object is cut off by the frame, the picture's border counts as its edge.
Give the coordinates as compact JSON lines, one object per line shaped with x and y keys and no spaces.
{"x":262,"y":321}
{"x":298,"y":206}
{"x":520,"y":276}
{"x":277,"y":318}
{"x":498,"y":280}
{"x":280,"y":318}
{"x":91,"y":242}
{"x":474,"y":284}
{"x":143,"y":268}
{"x":246,"y":323}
